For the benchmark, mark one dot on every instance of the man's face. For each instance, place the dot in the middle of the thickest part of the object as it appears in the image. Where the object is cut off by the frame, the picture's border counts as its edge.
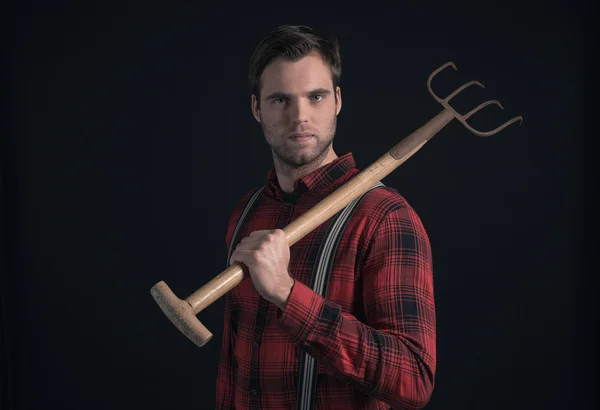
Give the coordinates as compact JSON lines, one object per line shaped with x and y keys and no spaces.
{"x":298,"y":109}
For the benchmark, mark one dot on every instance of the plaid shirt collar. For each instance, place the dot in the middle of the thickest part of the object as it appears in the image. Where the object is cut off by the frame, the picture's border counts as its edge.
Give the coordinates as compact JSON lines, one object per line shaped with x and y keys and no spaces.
{"x":316,"y":181}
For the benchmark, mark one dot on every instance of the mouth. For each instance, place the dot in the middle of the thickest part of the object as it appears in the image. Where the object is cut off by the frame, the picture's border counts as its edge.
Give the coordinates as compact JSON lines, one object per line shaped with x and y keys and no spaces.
{"x":301,"y":137}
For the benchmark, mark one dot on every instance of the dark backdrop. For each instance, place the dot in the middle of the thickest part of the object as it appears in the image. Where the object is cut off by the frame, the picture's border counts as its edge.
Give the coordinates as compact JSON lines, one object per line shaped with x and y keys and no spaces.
{"x":129,"y":139}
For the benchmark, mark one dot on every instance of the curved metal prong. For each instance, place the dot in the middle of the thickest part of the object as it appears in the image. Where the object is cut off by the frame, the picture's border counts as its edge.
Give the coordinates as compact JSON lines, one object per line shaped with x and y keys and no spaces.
{"x":433,"y":74}
{"x":463,"y":118}
{"x":480,"y":106}
{"x":462,"y":87}
{"x":492,"y":132}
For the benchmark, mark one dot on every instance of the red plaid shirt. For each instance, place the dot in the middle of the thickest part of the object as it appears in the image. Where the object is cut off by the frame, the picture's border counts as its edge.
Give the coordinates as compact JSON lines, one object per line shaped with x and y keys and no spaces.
{"x":373,"y":335}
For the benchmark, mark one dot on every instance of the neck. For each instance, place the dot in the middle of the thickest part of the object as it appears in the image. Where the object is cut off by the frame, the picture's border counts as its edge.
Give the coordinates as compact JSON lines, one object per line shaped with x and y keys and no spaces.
{"x":287,"y":174}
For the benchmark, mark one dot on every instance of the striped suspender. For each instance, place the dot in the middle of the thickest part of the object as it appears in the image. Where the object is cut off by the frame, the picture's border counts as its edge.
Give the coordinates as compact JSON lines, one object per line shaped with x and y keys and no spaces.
{"x":307,"y":382}
{"x":247,"y":209}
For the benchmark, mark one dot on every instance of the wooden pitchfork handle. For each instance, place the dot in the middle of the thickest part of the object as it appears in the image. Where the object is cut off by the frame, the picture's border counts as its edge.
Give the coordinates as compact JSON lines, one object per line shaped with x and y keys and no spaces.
{"x":182,"y":313}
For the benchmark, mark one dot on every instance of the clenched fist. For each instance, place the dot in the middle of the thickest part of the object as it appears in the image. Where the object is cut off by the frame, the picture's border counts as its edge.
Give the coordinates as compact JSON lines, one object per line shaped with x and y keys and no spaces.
{"x":267,"y":256}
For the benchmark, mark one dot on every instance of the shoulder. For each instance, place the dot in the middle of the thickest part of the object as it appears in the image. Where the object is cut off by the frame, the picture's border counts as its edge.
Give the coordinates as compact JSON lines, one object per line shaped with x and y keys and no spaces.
{"x":384,"y":206}
{"x":381,"y":201}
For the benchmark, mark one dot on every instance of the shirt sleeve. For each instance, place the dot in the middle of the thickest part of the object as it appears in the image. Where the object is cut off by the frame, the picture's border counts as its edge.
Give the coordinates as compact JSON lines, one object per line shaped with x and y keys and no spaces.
{"x":392,"y":356}
{"x":226,"y":374}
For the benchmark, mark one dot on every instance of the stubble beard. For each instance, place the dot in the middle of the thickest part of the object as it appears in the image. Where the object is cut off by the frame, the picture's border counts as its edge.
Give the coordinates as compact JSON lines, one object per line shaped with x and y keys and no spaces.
{"x":293,"y":158}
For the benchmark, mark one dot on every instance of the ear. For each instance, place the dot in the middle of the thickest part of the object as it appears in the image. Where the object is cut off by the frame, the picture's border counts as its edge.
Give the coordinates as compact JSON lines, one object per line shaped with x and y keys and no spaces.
{"x":255,"y":110}
{"x":338,"y":93}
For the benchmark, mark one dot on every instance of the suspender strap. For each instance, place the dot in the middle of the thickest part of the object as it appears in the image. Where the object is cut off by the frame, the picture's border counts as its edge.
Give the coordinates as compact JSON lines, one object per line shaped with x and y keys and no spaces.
{"x":247,"y":208}
{"x":307,"y":382}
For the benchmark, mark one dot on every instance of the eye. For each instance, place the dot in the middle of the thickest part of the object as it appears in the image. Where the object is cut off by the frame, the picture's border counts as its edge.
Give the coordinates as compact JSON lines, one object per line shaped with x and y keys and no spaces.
{"x":279,"y":101}
{"x":316,"y":97}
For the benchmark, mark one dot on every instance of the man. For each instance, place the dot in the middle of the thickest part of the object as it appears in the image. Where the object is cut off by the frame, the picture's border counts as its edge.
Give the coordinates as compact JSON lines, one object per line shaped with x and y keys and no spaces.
{"x":371,"y":334}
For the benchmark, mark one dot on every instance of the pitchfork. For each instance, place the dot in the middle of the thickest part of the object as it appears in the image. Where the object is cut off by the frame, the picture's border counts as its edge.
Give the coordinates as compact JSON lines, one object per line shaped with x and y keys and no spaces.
{"x":182,"y":313}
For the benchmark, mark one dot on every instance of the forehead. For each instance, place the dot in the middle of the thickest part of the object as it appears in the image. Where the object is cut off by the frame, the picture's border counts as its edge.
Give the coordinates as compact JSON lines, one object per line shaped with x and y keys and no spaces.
{"x":310,"y":72}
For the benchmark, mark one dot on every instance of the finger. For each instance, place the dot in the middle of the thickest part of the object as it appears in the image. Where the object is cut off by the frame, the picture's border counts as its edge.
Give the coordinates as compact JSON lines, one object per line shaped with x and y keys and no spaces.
{"x":234,"y":258}
{"x":254,"y":236}
{"x":244,"y":256}
{"x":247,"y":245}
{"x":250,"y":239}
{"x":260,"y":232}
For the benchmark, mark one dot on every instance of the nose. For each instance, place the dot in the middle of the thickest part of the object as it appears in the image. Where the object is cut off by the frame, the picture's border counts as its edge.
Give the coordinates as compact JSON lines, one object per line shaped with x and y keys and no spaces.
{"x":299,"y":111}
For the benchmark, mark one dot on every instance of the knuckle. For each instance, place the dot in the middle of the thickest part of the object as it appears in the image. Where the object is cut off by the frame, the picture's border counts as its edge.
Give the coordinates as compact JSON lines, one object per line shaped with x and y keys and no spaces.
{"x":275,"y":234}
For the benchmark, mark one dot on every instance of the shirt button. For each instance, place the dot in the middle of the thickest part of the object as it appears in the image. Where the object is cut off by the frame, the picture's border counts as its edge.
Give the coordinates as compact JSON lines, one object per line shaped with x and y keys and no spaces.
{"x":254,"y":392}
{"x":255,"y":344}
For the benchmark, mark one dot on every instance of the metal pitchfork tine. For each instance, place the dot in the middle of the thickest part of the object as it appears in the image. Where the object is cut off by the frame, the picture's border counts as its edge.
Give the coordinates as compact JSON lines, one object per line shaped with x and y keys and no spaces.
{"x":463,"y":118}
{"x":182,"y":312}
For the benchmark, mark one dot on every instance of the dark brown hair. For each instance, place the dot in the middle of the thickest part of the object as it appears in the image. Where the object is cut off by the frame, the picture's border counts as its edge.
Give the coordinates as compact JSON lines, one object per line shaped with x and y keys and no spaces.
{"x":292,"y":43}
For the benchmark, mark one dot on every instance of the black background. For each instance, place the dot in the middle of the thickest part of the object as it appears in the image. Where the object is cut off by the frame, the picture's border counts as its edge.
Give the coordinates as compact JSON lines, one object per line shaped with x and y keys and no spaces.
{"x":129,"y":138}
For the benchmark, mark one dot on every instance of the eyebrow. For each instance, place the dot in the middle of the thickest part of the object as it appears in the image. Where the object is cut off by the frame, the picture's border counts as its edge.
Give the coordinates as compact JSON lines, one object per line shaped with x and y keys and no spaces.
{"x":279,"y":94}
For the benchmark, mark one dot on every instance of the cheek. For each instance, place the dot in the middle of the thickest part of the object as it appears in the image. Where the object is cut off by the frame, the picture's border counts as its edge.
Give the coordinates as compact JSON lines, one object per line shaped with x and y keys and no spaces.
{"x":273,"y":117}
{"x":329,"y":110}
{"x":269,"y":116}
{"x":326,"y":116}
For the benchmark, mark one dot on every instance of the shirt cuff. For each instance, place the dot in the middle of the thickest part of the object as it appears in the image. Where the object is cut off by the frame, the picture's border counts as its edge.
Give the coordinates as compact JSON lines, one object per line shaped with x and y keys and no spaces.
{"x":301,"y":313}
